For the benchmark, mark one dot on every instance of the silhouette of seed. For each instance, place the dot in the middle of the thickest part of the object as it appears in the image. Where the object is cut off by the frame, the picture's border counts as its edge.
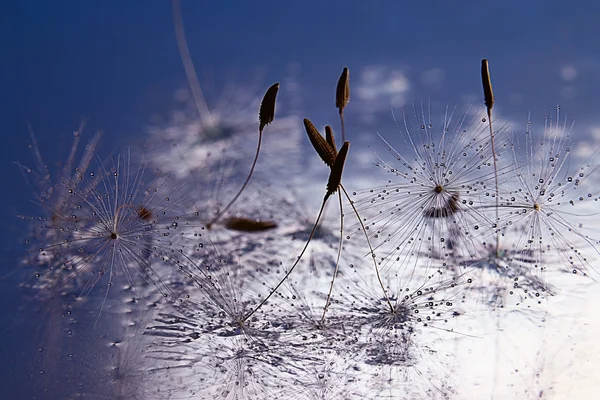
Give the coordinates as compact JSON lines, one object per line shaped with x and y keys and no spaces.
{"x":342,"y":93}
{"x":488,"y":94}
{"x":267,"y":106}
{"x":335,"y":176}
{"x":325,"y":151}
{"x":330,"y":137}
{"x":242,"y":224}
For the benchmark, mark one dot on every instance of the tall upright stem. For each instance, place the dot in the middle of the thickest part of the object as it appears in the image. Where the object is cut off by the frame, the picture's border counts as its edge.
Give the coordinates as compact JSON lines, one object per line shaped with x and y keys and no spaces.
{"x":488,"y":95}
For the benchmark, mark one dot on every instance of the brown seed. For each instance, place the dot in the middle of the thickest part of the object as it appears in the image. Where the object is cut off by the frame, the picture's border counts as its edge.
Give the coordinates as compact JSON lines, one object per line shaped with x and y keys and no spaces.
{"x":267,"y":107}
{"x":330,"y":137}
{"x":242,"y":224}
{"x":450,"y":208}
{"x":488,"y":94}
{"x":342,"y":93}
{"x":144,"y":213}
{"x":327,"y":154}
{"x":335,"y":176}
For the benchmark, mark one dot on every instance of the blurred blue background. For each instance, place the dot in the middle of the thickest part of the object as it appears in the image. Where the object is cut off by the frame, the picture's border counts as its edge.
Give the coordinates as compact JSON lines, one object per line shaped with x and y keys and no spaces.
{"x":117,"y":64}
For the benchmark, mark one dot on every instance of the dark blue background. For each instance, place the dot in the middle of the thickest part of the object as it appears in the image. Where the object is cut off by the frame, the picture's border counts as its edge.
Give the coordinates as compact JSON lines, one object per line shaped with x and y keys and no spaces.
{"x":117,"y":63}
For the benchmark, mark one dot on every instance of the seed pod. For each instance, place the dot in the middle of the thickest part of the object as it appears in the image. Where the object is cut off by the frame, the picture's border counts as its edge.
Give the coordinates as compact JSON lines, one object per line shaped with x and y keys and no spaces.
{"x":267,"y":107}
{"x":243,"y":224}
{"x":144,"y":213}
{"x":335,"y":176}
{"x":330,"y":137}
{"x":327,"y":154}
{"x":488,"y":94}
{"x":342,"y":93}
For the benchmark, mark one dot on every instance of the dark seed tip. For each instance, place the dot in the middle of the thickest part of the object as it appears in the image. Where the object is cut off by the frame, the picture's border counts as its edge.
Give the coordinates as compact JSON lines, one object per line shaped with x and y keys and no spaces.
{"x":266,"y":115}
{"x":488,"y":94}
{"x":342,"y":93}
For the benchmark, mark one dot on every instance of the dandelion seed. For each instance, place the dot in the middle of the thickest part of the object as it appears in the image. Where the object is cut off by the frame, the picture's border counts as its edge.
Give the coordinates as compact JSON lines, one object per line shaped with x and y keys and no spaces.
{"x":111,"y":223}
{"x":546,"y":211}
{"x":52,"y":194}
{"x":429,"y":203}
{"x":206,"y":334}
{"x":229,"y":367}
{"x":266,"y":116}
{"x":394,"y":344}
{"x":488,"y":95}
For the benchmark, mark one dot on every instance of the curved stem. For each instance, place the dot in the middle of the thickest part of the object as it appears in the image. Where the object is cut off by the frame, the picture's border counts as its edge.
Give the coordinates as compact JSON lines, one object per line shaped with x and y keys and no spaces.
{"x":220,"y":214}
{"x":312,"y":233}
{"x":337,"y":261}
{"x":188,"y":65}
{"x":370,"y":250}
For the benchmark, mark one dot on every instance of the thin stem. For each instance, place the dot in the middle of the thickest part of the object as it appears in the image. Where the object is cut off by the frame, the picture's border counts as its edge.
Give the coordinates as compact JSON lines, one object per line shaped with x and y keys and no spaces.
{"x":337,"y":261}
{"x":312,"y":233}
{"x":343,"y":125}
{"x":489,"y":113}
{"x":220,"y":214}
{"x":188,"y":65}
{"x":370,"y":250}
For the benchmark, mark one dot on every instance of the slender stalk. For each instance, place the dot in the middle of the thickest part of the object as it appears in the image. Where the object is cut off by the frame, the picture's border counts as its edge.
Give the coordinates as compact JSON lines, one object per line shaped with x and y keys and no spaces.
{"x":312,"y":233}
{"x":370,"y":251}
{"x":488,"y":95}
{"x":222,"y":212}
{"x":266,"y":114}
{"x":496,"y":183}
{"x":337,"y":261}
{"x":343,"y":125}
{"x":188,"y":65}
